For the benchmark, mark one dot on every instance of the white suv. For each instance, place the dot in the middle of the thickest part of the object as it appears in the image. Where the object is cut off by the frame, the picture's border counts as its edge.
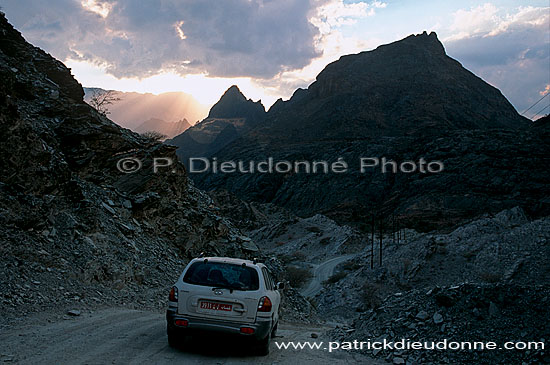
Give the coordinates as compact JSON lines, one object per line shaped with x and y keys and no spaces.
{"x":227,"y":295}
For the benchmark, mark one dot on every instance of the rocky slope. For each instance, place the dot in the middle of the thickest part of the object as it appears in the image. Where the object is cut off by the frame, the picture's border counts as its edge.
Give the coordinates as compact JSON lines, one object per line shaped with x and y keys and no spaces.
{"x":506,"y":248}
{"x":404,"y":101}
{"x":232,"y":116}
{"x":74,"y":229}
{"x":289,"y":237}
{"x":488,"y":280}
{"x":464,"y":312}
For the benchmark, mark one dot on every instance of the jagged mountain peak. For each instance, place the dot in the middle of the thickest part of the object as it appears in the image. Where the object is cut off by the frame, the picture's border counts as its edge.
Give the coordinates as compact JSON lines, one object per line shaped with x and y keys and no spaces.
{"x":233,"y":104}
{"x":425,"y":40}
{"x":232,"y":116}
{"x":233,"y":92}
{"x":421,"y":53}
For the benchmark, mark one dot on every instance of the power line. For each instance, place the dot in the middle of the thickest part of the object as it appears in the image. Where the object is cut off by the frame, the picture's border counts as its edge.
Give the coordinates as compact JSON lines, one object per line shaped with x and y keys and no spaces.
{"x":543,"y":109}
{"x":538,"y":101}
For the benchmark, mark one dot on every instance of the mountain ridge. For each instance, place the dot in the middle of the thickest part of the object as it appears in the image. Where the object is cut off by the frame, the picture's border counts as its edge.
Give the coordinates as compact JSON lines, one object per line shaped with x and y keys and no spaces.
{"x":394,"y":102}
{"x":395,"y":89}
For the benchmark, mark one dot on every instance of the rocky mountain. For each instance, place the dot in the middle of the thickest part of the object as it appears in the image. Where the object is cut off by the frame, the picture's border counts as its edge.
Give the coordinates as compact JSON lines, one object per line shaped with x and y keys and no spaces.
{"x":134,"y":108}
{"x":76,"y":229}
{"x":232,"y":116}
{"x":169,"y":129}
{"x":233,"y":104}
{"x":409,"y":87}
{"x":475,"y":281}
{"x":404,"y":101}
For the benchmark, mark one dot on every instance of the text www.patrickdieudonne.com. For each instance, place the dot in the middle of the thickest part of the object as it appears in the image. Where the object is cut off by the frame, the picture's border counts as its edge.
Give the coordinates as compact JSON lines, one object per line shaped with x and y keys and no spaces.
{"x":404,"y":344}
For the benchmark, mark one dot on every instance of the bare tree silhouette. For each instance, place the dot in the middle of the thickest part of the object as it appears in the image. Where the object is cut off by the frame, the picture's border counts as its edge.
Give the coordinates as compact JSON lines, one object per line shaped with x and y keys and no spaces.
{"x":101,"y":99}
{"x":154,"y":135}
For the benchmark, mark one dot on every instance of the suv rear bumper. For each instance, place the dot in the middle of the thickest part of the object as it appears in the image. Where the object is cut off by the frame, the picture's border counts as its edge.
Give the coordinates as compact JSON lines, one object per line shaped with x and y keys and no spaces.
{"x":197,"y":324}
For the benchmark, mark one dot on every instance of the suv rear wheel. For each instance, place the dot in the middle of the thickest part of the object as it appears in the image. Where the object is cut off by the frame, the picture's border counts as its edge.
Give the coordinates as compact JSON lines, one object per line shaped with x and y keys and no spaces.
{"x":274,"y":331}
{"x":175,"y":339}
{"x":262,"y":348}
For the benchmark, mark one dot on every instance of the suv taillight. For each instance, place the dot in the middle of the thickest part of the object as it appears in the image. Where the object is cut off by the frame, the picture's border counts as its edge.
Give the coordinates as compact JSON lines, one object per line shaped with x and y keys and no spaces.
{"x":173,"y":296}
{"x":264,"y":305}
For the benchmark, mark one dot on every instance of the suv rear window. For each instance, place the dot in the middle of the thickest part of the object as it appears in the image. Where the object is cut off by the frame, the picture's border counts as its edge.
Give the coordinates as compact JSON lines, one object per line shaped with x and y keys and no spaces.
{"x":222,"y":275}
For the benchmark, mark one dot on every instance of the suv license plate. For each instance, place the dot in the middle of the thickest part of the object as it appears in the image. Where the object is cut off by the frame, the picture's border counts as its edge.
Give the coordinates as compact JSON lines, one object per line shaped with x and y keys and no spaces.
{"x":216,"y":306}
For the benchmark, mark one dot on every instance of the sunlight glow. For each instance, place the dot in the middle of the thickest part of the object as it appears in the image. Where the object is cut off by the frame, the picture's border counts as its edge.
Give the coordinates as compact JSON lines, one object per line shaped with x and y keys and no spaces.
{"x":207,"y":90}
{"x":101,"y":8}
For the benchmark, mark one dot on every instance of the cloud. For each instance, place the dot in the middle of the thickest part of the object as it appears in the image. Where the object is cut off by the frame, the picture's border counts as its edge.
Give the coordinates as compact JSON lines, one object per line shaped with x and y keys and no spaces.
{"x":256,"y":38}
{"x":231,"y":38}
{"x":102,"y":8}
{"x":336,"y":13}
{"x":510,"y":51}
{"x":487,"y":20}
{"x":329,"y":18}
{"x":479,"y":19}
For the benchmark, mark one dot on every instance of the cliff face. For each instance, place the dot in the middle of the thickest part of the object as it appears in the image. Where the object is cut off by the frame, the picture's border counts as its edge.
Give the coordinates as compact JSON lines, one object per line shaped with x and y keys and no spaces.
{"x":68,"y":216}
{"x":403,"y":101}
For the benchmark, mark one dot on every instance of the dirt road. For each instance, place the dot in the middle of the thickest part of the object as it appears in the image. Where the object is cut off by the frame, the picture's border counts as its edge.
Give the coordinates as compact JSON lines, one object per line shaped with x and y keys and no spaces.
{"x":321,"y":273}
{"x":118,"y":336}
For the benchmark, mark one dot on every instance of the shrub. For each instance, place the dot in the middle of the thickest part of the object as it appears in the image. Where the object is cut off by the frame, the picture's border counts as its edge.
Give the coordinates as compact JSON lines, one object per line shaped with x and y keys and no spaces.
{"x":154,"y":135}
{"x":325,"y":241}
{"x":490,"y":277}
{"x":313,"y":229}
{"x":370,"y":295}
{"x":297,"y":276}
{"x":299,"y":256}
{"x":406,"y":265}
{"x":312,"y":301}
{"x":336,"y":277}
{"x":285,"y":258}
{"x":352,"y":265}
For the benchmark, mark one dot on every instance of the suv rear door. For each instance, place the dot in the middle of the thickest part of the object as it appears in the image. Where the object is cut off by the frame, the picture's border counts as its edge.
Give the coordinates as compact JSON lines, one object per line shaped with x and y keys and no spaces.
{"x":271,"y":287}
{"x":220,"y":290}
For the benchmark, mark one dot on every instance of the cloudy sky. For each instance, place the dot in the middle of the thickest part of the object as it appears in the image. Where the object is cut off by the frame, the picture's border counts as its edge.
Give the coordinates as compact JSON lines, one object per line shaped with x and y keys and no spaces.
{"x":271,"y":47}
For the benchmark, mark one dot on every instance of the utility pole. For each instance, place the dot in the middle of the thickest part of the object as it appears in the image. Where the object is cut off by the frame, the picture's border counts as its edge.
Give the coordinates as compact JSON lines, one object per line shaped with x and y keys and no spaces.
{"x":398,"y":230}
{"x":372,"y":244}
{"x":381,"y":224}
{"x":393,"y":232}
